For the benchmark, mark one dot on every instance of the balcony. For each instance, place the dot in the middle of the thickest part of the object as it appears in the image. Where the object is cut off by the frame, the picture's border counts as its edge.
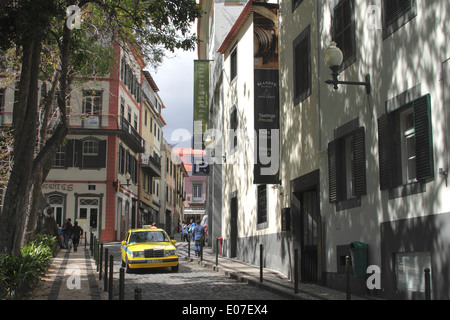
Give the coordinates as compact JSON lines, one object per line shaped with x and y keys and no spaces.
{"x":152,"y":164}
{"x":107,"y":125}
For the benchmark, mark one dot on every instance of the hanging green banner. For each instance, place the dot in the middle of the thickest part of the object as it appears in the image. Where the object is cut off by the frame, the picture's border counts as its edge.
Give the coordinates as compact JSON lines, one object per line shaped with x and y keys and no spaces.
{"x":201,"y":93}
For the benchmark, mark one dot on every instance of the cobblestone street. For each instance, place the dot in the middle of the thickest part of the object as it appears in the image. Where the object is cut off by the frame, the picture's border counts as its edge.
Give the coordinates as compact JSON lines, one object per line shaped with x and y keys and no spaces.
{"x":191,"y":282}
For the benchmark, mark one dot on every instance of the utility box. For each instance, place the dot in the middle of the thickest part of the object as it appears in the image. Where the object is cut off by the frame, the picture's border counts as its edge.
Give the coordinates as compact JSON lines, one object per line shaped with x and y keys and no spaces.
{"x":358,"y":254}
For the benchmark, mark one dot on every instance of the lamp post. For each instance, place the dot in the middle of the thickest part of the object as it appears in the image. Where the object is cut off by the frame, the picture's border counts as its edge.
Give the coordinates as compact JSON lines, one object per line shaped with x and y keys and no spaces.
{"x":334,"y":58}
{"x":128,"y":177}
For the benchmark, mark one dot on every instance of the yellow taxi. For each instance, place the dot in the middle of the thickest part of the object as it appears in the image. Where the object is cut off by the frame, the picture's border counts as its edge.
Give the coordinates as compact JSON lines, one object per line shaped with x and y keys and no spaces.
{"x":148,"y":248}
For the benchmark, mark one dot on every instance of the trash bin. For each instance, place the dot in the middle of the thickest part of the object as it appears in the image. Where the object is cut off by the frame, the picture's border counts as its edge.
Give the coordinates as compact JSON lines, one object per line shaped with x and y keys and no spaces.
{"x":358,"y":254}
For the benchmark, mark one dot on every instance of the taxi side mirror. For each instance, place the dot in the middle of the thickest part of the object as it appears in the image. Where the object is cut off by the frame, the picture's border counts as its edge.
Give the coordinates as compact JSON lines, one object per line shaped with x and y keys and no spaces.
{"x":174,"y":241}
{"x":124,"y":242}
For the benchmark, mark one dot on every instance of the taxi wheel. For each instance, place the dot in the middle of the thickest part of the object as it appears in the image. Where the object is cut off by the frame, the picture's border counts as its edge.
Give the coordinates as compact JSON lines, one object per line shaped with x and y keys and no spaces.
{"x":175,"y":269}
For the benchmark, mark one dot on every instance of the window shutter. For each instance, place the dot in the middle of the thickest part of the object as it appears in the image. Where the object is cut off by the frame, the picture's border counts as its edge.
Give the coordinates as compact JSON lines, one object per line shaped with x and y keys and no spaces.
{"x":385,"y":155}
{"x":394,"y":9}
{"x":68,"y":161}
{"x":359,"y":160}
{"x":423,"y":138}
{"x":101,"y":161}
{"x":332,"y":170}
{"x":78,"y":158}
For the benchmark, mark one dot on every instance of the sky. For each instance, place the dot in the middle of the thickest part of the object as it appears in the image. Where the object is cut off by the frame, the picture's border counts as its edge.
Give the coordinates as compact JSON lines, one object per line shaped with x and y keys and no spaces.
{"x":175,"y":80}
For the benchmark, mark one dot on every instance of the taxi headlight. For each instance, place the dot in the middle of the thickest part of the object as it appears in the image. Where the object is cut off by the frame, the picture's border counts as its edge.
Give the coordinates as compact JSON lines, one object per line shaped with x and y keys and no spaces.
{"x":137,"y":254}
{"x":169,"y":253}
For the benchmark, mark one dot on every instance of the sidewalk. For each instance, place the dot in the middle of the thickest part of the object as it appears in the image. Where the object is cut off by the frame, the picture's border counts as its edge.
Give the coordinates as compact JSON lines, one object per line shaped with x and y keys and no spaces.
{"x":71,"y":276}
{"x":273,"y":281}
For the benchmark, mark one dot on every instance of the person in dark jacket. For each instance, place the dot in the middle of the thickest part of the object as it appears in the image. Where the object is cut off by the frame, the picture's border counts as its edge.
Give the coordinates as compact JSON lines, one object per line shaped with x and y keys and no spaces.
{"x":67,"y":229}
{"x":198,"y":233}
{"x":77,"y":233}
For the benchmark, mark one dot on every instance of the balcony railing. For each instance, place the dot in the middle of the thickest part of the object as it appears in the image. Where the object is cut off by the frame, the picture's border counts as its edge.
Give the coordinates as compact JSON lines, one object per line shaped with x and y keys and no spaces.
{"x":107,"y":124}
{"x":153,"y":163}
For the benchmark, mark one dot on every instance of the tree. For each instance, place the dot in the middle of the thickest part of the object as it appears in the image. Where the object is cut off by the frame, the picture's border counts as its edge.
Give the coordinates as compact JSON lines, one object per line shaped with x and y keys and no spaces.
{"x":35,"y":27}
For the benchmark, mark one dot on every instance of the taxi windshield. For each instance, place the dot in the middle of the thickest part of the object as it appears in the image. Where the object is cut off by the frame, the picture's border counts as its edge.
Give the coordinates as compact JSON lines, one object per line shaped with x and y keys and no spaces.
{"x":148,"y":236}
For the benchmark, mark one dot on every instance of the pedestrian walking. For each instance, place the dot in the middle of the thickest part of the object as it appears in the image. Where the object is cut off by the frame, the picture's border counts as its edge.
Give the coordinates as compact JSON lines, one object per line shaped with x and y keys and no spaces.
{"x":77,"y":233}
{"x":198,"y":233}
{"x":191,"y":229}
{"x":67,"y":229}
{"x":184,"y":232}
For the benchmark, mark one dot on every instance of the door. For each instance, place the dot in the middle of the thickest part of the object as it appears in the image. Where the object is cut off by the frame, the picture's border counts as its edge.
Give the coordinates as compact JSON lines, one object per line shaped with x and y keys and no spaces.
{"x":233,"y":227}
{"x":88,"y":215}
{"x":310,"y":225}
{"x":57,"y":204}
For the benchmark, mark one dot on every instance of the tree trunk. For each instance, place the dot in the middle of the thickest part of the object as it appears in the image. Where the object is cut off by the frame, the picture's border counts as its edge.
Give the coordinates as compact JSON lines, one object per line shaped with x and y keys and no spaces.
{"x":17,"y":197}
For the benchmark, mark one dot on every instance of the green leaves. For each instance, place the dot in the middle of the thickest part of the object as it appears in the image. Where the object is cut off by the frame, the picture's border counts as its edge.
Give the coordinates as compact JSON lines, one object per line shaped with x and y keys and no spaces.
{"x":19,"y":273}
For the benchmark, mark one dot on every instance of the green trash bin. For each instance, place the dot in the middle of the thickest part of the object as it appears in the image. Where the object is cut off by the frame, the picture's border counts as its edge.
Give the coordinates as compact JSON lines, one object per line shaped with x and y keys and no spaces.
{"x":358,"y":254}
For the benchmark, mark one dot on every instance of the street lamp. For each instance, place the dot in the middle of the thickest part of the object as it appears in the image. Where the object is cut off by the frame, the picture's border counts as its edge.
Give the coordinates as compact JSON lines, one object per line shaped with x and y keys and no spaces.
{"x":128,"y":177}
{"x":334,"y":58}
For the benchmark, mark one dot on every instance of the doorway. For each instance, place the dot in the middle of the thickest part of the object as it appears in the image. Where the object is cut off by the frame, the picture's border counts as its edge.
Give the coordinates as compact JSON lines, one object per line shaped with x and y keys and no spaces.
{"x":88,"y":215}
{"x":307,"y":225}
{"x":310,"y":220}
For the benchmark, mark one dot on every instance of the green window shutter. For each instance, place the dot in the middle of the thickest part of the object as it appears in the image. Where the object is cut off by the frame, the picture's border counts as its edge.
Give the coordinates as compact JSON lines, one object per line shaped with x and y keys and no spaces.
{"x":423,"y":138}
{"x":101,"y":160}
{"x":69,"y":154}
{"x":78,"y":158}
{"x":332,"y":170}
{"x":359,"y":162}
{"x":385,"y":155}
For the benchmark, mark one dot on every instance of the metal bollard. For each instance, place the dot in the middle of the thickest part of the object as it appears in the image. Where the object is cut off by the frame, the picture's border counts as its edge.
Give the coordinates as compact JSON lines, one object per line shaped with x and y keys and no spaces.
{"x":189,"y":245}
{"x":111,"y":279}
{"x":427,"y":284}
{"x":217,"y":252}
{"x":296,"y":270}
{"x":261,"y":249}
{"x":347,"y":271}
{"x":105,"y":285}
{"x":122,"y":284}
{"x":201,"y":250}
{"x":85,"y":239}
{"x":138,"y":293}
{"x":95,"y":251}
{"x":101,"y":262}
{"x":91,"y":243}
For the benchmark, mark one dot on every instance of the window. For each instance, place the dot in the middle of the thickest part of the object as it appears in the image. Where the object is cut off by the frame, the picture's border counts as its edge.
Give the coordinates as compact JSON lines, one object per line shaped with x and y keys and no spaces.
{"x":262,"y":204}
{"x":121,"y":160}
{"x":233,"y":64}
{"x":60,"y":157}
{"x":296,"y":3}
{"x":406,"y":146}
{"x":90,"y":148}
{"x":343,"y":32}
{"x":347,"y":166}
{"x":92,"y":102}
{"x":234,"y":128}
{"x":90,"y":153}
{"x":197,"y":192}
{"x":397,"y":13}
{"x":302,"y":66}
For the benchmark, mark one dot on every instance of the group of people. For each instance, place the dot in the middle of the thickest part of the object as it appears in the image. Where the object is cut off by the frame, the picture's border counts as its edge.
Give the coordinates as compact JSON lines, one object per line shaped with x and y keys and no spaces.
{"x":197,"y":232}
{"x":71,"y":234}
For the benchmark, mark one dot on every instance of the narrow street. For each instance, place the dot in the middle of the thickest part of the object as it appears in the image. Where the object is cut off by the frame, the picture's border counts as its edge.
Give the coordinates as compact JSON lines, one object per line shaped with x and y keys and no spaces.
{"x":191,"y":282}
